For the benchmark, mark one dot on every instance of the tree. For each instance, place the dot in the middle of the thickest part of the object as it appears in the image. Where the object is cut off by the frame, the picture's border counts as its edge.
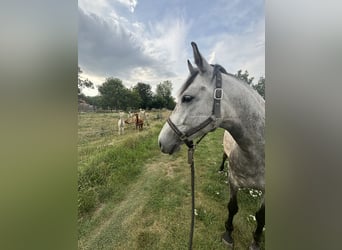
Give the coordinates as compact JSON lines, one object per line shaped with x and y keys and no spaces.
{"x":244,"y":76}
{"x":158,"y":102}
{"x":164,"y":89}
{"x":114,"y":94}
{"x":163,"y":92}
{"x":133,"y":100}
{"x":94,"y":100}
{"x":145,"y":94}
{"x":260,"y":86}
{"x":83,"y":83}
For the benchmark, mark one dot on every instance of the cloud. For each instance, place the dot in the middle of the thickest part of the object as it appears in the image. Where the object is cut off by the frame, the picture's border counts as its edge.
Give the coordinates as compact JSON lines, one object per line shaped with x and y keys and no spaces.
{"x":129,"y":4}
{"x":105,"y":7}
{"x":114,"y":47}
{"x":130,"y":51}
{"x":212,"y":57}
{"x":98,"y":7}
{"x":106,"y":47}
{"x":244,"y":51}
{"x":119,"y":40}
{"x":167,"y":42}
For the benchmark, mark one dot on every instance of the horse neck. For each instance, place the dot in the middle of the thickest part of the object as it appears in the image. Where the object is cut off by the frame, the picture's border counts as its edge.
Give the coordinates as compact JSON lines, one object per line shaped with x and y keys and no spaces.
{"x":243,"y":114}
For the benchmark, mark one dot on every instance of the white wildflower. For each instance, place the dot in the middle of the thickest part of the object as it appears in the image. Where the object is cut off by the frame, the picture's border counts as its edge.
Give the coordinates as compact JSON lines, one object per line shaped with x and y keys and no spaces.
{"x":255,"y":193}
{"x":251,"y":217}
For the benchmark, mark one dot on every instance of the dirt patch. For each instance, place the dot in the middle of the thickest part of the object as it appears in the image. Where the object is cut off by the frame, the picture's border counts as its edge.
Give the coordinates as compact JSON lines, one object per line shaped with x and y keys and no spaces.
{"x":166,"y":168}
{"x":169,"y":171}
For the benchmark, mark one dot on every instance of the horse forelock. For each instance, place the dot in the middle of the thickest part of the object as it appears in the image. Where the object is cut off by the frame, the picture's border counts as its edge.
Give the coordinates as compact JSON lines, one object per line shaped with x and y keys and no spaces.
{"x":192,"y":77}
{"x":188,"y":82}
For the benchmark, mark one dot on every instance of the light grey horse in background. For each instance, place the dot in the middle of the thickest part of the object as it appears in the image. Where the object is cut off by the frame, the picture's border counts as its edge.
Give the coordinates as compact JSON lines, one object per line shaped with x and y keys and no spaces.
{"x":121,"y":123}
{"x":234,"y":106}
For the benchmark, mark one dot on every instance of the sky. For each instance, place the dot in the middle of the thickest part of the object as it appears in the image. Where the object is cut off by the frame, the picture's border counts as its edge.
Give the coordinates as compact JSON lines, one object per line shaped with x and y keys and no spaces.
{"x":149,"y":41}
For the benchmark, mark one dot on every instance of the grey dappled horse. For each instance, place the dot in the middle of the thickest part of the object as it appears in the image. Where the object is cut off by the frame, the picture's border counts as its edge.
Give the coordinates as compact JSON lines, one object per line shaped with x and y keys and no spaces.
{"x":212,"y":98}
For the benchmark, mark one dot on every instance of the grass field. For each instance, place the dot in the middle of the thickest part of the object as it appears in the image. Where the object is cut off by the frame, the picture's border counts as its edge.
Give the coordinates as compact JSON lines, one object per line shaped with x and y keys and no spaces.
{"x":131,"y":196}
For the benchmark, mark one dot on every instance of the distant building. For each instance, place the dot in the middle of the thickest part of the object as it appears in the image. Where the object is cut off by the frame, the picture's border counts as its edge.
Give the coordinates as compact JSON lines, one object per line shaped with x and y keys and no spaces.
{"x":85,"y":107}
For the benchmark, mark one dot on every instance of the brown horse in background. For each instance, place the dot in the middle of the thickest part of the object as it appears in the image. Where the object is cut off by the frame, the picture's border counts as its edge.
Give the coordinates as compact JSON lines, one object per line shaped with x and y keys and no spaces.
{"x":139,"y":123}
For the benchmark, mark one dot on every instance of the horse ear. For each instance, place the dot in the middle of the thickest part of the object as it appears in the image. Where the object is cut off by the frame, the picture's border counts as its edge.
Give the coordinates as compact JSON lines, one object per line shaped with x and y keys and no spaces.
{"x":201,"y":63}
{"x":191,"y":69}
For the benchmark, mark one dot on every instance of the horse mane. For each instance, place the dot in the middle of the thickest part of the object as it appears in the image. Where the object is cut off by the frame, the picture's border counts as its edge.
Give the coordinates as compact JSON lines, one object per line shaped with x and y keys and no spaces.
{"x":217,"y":67}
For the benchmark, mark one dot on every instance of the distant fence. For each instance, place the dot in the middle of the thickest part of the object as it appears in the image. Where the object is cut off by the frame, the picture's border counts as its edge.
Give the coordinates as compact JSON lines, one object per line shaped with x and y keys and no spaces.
{"x":154,"y":114}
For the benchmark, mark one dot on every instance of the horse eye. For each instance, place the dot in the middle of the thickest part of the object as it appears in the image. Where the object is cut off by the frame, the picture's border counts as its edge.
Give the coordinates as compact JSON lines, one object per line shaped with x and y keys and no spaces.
{"x":187,"y":98}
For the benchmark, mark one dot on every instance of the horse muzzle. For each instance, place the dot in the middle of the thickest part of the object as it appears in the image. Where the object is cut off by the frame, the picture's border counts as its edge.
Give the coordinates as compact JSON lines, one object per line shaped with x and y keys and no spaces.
{"x":168,"y":142}
{"x":169,"y":151}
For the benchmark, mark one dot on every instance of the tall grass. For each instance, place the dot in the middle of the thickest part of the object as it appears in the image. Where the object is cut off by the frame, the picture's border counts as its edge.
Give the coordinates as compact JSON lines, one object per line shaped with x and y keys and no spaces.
{"x":110,"y":169}
{"x":141,"y":197}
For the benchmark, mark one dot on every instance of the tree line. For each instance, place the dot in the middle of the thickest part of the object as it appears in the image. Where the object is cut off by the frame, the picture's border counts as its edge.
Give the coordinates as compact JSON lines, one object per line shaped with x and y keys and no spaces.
{"x":259,"y":87}
{"x":115,"y":96}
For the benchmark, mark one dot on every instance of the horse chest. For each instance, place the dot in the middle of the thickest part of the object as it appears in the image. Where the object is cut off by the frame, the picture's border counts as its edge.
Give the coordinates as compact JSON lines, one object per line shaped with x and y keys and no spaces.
{"x":245,"y":172}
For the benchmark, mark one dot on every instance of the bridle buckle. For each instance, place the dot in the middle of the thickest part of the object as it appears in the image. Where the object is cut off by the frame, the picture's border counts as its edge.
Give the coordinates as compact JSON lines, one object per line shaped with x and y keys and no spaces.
{"x":218,"y":93}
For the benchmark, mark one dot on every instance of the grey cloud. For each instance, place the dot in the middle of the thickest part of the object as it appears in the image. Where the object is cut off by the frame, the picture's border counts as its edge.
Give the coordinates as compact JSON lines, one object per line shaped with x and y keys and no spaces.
{"x":108,"y":48}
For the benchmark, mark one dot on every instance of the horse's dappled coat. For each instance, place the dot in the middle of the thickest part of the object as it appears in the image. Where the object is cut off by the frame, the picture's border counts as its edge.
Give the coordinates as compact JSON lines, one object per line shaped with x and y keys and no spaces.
{"x":242,"y":114}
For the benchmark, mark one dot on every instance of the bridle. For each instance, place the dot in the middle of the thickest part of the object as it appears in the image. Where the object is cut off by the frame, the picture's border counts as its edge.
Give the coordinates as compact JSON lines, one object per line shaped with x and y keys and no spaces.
{"x":184,"y":137}
{"x":216,"y":112}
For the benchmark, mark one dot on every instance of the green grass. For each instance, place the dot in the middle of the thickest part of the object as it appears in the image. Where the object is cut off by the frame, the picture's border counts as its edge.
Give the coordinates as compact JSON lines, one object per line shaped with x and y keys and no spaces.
{"x":109,"y":169}
{"x":139,"y":198}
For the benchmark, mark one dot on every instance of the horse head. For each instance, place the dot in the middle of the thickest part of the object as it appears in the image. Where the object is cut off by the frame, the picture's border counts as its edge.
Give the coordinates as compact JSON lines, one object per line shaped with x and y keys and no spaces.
{"x":195,"y":113}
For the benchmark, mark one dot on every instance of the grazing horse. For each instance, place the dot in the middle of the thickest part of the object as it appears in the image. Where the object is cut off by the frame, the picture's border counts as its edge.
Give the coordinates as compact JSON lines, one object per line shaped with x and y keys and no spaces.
{"x":139,"y":123}
{"x":130,"y":120}
{"x":212,"y":98}
{"x":121,"y":124}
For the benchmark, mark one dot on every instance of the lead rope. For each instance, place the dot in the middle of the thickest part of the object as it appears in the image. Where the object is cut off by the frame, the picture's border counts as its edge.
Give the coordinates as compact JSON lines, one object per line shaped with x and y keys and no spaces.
{"x":192,"y":168}
{"x":191,"y":151}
